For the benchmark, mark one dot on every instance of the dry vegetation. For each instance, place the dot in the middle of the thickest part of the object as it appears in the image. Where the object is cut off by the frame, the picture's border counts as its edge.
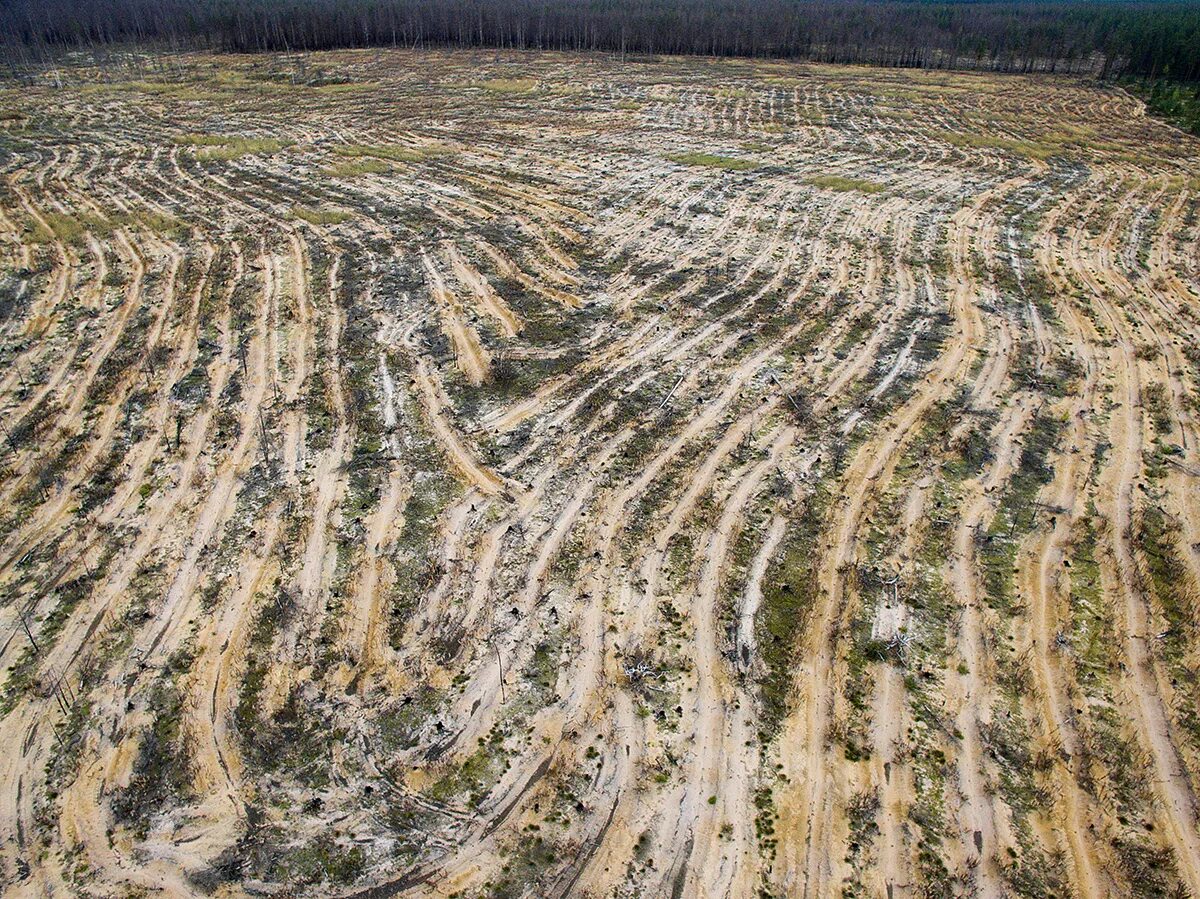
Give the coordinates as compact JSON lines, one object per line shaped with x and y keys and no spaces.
{"x":490,"y":475}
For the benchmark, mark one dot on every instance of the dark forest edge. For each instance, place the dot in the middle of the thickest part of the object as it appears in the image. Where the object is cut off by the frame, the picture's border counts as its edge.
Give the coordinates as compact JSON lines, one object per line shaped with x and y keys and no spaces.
{"x":1151,"y":39}
{"x":1179,"y":104}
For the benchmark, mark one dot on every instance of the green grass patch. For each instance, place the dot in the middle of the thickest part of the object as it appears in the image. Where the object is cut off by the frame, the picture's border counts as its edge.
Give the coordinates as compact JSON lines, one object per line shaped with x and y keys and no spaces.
{"x":842,"y":183}
{"x":1029,"y":149}
{"x":319,"y":216}
{"x":712,"y":161}
{"x":171,"y":90}
{"x":352,"y":168}
{"x":788,"y":590}
{"x":507,"y":85}
{"x":390,"y":152}
{"x":73,"y":229}
{"x":226,"y":147}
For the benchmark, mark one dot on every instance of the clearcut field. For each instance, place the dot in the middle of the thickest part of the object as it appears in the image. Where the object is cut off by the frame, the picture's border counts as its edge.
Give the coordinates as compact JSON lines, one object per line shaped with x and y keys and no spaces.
{"x":485,"y":474}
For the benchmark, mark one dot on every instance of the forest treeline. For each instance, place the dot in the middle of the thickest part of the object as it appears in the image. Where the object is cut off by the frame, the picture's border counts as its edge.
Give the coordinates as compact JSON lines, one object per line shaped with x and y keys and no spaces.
{"x":1177,"y":103}
{"x":1150,"y":39}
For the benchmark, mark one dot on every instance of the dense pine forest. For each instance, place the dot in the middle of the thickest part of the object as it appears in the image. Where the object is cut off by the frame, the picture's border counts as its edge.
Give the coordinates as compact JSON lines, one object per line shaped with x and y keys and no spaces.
{"x":1150,"y":40}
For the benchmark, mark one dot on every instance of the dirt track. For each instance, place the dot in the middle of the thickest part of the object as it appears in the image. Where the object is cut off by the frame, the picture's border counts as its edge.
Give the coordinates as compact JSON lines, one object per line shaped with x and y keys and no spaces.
{"x":551,"y":476}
